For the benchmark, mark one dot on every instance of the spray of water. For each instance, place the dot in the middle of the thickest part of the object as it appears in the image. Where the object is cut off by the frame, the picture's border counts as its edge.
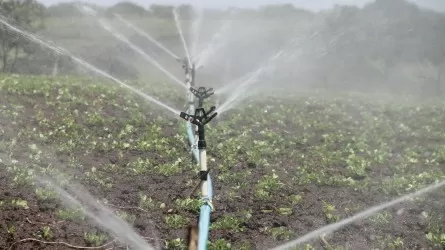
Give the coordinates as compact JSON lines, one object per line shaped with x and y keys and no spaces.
{"x":360,"y":216}
{"x":62,"y":51}
{"x":181,"y":35}
{"x":296,"y":42}
{"x":86,"y":9}
{"x":239,"y":92}
{"x":242,"y":88}
{"x":122,"y":38}
{"x":233,"y":99}
{"x":103,"y":216}
{"x":195,"y":29}
{"x":214,"y":45}
{"x":238,"y":87}
{"x":250,"y":77}
{"x":144,"y":34}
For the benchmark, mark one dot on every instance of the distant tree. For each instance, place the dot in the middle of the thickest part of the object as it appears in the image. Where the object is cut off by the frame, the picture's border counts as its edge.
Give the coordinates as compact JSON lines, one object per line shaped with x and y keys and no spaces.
{"x":435,"y":51}
{"x":186,"y":12}
{"x":384,"y":45}
{"x":65,"y":10}
{"x":162,"y":11}
{"x":128,"y":8}
{"x":115,"y":58}
{"x":22,"y":13}
{"x":70,"y":9}
{"x":280,"y":11}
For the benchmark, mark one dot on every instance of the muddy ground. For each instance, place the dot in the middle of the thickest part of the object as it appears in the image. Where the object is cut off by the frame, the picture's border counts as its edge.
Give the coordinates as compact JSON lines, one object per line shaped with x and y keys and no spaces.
{"x":308,"y":215}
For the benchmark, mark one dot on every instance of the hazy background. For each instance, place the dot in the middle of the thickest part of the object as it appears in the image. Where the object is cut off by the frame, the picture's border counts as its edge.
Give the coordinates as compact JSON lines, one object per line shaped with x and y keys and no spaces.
{"x":386,"y":46}
{"x":308,"y":4}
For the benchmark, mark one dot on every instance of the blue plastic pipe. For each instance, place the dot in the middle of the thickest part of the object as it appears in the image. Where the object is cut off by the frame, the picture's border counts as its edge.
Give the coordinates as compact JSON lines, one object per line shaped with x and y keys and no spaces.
{"x":204,"y":217}
{"x":206,"y":209}
{"x":191,"y":137}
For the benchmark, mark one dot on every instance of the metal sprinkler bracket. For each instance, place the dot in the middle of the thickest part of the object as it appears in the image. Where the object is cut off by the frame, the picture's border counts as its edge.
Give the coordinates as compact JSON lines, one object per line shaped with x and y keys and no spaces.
{"x":188,"y":69}
{"x":200,"y":118}
{"x":201,"y":93}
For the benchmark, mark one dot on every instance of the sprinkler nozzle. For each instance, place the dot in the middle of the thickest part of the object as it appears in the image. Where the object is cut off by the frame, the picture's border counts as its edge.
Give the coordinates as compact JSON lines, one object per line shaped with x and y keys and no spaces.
{"x":202,"y":93}
{"x":189,"y":118}
{"x":199,"y":120}
{"x":211,"y":117}
{"x":186,"y":64}
{"x":211,"y":110}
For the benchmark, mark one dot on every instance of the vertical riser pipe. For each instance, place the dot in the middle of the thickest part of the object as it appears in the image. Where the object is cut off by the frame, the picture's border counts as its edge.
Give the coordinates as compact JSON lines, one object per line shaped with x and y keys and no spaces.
{"x":200,"y":156}
{"x":204,"y":218}
{"x":203,"y":163}
{"x":190,"y":127}
{"x":191,"y":139}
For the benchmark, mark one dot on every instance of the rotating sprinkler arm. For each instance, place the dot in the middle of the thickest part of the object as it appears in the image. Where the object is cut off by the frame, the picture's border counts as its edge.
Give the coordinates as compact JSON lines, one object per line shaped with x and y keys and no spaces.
{"x":200,"y":120}
{"x":202,"y":93}
{"x":189,"y":69}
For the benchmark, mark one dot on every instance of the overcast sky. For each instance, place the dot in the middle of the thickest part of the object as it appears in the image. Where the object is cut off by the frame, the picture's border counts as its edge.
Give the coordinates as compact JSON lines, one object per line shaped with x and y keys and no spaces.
{"x":310,"y":4}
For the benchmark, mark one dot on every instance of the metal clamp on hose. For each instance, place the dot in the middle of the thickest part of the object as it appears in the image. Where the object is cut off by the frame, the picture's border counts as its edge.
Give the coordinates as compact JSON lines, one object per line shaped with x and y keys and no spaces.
{"x":203,"y":175}
{"x":209,"y":202}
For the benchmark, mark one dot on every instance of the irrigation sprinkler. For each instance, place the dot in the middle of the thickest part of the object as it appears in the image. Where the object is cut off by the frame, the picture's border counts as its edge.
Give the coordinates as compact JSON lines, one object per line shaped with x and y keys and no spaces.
{"x":198,"y":235}
{"x":188,"y":69}
{"x":201,"y":94}
{"x":190,"y":81}
{"x":200,"y":119}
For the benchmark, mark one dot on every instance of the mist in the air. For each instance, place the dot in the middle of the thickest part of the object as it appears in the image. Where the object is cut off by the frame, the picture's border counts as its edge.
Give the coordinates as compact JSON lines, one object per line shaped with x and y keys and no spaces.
{"x":389,"y":46}
{"x":240,"y":49}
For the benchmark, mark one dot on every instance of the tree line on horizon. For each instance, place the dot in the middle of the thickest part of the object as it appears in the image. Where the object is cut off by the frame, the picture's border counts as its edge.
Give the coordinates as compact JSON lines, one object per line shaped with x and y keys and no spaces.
{"x":392,"y":45}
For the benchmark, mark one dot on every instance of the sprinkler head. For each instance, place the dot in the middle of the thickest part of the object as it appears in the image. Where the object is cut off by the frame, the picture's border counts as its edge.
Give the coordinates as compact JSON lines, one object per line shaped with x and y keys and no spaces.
{"x":202,"y":92}
{"x":201,"y":117}
{"x":186,"y":64}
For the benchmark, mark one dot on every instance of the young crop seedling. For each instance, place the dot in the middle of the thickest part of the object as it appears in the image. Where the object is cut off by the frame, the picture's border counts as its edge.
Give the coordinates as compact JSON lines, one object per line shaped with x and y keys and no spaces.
{"x":130,"y":218}
{"x":189,"y":204}
{"x":436,"y":235}
{"x":94,"y":239}
{"x":280,"y":233}
{"x":229,"y":222}
{"x":19,"y":203}
{"x":46,"y":194}
{"x":268,"y":185}
{"x":177,"y":243}
{"x":176,"y":221}
{"x":220,"y":244}
{"x":46,"y":233}
{"x":381,"y":219}
{"x":71,"y":214}
{"x":146,"y":202}
{"x":11,"y":230}
{"x":329,"y":211}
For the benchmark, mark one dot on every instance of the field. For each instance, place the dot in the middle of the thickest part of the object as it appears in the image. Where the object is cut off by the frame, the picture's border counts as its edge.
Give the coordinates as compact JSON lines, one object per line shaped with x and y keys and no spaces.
{"x":282,"y":164}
